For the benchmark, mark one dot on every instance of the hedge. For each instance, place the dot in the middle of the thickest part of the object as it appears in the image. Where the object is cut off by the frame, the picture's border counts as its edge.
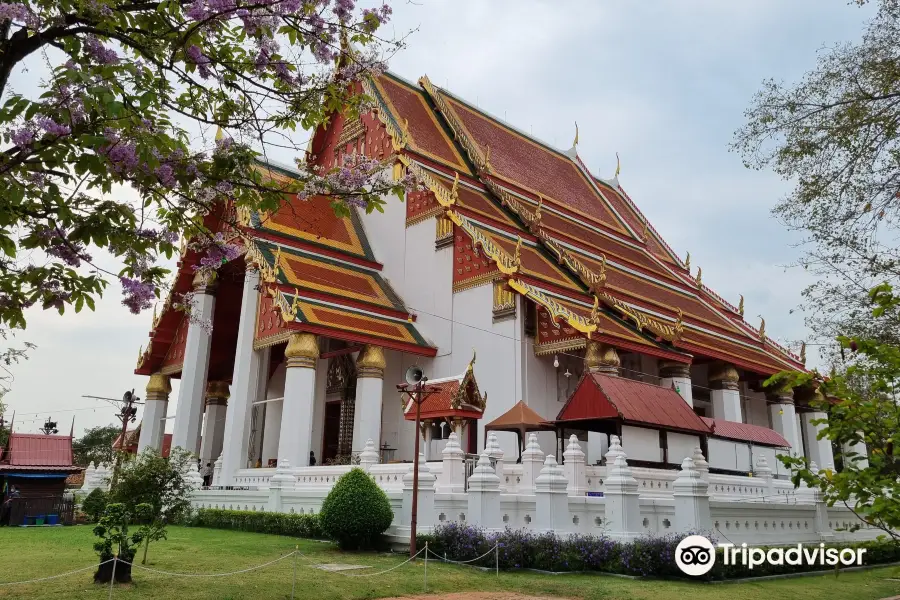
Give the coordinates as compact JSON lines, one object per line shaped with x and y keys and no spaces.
{"x":290,"y":524}
{"x":650,"y":556}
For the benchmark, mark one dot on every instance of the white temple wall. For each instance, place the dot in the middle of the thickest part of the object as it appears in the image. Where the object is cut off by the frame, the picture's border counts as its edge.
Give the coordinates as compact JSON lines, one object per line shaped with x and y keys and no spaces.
{"x":540,"y":392}
{"x":754,"y":409}
{"x":397,"y":432}
{"x":681,"y":445}
{"x":497,"y":368}
{"x":272,"y":424}
{"x":641,"y":444}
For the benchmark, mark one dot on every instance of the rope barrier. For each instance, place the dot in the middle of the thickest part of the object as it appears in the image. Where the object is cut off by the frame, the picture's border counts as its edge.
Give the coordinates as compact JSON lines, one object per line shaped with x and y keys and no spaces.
{"x":134,"y":565}
{"x":55,"y":576}
{"x":371,"y":574}
{"x":463,"y":562}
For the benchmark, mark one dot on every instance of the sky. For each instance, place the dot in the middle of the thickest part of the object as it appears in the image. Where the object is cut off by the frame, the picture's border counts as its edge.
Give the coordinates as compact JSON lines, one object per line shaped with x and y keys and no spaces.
{"x":664,"y":83}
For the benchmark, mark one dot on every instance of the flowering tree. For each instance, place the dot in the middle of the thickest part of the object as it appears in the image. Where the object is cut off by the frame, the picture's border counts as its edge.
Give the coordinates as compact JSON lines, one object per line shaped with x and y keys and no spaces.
{"x":129,"y":92}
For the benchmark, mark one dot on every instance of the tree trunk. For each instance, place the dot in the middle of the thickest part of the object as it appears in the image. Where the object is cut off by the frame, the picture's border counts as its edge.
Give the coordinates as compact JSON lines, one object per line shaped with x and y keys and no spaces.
{"x":146,"y":545}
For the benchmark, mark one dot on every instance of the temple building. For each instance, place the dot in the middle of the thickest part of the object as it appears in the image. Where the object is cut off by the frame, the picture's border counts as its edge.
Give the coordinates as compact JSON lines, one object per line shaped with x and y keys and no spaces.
{"x":514,"y":274}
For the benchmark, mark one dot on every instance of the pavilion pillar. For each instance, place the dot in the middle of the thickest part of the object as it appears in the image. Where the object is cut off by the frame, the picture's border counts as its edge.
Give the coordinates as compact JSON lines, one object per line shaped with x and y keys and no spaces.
{"x":189,"y":412}
{"x":295,"y":437}
{"x":214,"y":427}
{"x":820,"y":451}
{"x":677,"y":375}
{"x":860,"y":459}
{"x":244,"y":384}
{"x":601,"y":358}
{"x":784,"y":416}
{"x":725,"y":394}
{"x":271,"y":432}
{"x":370,"y":366}
{"x":153,"y":423}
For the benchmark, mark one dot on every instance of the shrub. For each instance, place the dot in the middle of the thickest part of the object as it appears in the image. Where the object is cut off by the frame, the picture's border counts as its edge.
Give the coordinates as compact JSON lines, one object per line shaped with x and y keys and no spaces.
{"x":649,"y":556}
{"x":294,"y":525}
{"x":356,"y":511}
{"x":94,"y":504}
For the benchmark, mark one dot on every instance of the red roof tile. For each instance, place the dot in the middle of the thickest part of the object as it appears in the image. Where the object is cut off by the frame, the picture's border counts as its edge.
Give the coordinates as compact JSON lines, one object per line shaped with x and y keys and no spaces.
{"x":609,"y":397}
{"x":37,"y":450}
{"x":746,"y":432}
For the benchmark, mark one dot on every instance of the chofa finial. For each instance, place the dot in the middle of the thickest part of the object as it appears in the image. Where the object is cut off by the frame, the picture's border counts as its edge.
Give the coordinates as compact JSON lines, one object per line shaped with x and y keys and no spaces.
{"x":741,"y":306}
{"x":803,"y":353}
{"x":687,"y":262}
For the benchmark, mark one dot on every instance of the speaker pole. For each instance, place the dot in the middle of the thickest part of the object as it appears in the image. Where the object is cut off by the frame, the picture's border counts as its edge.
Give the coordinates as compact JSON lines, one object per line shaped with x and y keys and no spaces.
{"x":417,"y":398}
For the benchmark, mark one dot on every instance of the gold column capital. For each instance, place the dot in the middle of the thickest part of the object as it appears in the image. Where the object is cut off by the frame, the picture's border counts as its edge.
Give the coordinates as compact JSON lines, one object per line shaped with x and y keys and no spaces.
{"x":205,"y":282}
{"x":217,"y":392}
{"x":671,"y":369}
{"x":159,"y":387}
{"x":302,"y":350}
{"x":723,"y":375}
{"x":601,"y":358}
{"x":371,"y":362}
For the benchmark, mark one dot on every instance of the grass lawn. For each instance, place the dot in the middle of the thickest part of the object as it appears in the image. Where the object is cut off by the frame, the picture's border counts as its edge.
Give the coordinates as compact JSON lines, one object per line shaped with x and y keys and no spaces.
{"x":33,"y":553}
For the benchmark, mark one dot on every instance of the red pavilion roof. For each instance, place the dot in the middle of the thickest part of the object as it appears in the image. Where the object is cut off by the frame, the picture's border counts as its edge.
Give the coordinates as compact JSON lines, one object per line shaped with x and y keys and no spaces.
{"x":38,"y":452}
{"x":745,"y":432}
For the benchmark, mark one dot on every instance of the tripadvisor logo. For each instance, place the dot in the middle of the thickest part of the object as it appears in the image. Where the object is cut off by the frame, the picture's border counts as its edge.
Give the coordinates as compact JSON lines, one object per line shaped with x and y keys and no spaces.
{"x":695,"y":555}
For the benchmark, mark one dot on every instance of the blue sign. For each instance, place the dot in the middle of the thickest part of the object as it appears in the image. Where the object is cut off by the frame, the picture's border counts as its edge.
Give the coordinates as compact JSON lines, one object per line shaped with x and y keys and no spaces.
{"x":595,"y":494}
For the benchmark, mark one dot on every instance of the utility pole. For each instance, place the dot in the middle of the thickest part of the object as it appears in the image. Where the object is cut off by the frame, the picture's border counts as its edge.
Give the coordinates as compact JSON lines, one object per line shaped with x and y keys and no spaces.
{"x":49,"y":427}
{"x":127,"y":414}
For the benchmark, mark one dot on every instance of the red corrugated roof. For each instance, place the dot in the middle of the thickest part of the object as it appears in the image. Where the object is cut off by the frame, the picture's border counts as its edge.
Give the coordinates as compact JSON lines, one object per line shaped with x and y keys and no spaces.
{"x":608,"y":397}
{"x":37,"y":450}
{"x":746,"y":432}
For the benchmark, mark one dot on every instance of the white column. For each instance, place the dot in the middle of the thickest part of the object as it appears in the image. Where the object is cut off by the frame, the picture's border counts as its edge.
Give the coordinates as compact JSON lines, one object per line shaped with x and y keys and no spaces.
{"x":452,"y":478}
{"x":189,"y":412}
{"x":153,"y":423}
{"x":784,"y":419}
{"x":725,"y":395}
{"x":295,"y":439}
{"x":623,"y":509}
{"x":245,"y":383}
{"x":428,"y":435}
{"x":573,"y":468}
{"x":860,"y":461}
{"x":484,"y":495}
{"x":214,"y":427}
{"x":425,"y":516}
{"x":677,"y":375}
{"x":532,"y":463}
{"x":271,"y":431}
{"x":551,"y":500}
{"x":369,"y":390}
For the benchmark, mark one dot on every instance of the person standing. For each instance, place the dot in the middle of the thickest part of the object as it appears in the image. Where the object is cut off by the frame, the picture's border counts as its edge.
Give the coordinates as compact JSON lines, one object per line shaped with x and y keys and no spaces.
{"x":207,"y":472}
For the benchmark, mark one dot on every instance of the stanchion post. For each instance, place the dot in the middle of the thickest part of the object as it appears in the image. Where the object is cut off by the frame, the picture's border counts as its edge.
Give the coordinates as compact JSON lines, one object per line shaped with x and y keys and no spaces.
{"x":497,"y":558}
{"x":112,"y":579}
{"x":426,"y":566}
{"x":294,"y":581}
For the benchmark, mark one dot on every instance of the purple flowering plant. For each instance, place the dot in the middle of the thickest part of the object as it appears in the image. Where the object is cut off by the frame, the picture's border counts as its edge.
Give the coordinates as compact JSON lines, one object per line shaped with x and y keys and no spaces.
{"x":115,"y":154}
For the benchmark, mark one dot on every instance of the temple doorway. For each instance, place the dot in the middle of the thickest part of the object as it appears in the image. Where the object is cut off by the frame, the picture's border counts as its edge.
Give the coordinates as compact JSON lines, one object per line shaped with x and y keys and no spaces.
{"x":332,"y":431}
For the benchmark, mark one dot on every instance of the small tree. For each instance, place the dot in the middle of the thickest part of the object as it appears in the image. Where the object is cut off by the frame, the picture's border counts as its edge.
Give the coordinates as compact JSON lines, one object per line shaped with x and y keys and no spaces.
{"x":94,"y":504}
{"x":861,"y":402}
{"x":115,"y":542}
{"x":95,"y":445}
{"x":158,"y":483}
{"x":356,"y":511}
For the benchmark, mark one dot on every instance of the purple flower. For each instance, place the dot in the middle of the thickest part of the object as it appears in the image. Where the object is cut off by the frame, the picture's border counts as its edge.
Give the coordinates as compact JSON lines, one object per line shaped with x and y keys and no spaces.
{"x":196,"y":56}
{"x":138,"y":294}
{"x":52,"y":127}
{"x":19,"y":13}
{"x":197,"y":11}
{"x":99,"y":52}
{"x":166,"y":175}
{"x":23,"y":137}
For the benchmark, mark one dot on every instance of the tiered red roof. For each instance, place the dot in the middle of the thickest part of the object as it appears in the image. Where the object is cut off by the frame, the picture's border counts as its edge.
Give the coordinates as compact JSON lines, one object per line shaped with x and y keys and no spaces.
{"x":449,"y":398}
{"x":560,"y":207}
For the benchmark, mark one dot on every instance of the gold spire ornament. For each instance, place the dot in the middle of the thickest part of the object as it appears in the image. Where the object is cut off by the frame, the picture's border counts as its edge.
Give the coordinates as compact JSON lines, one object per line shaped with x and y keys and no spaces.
{"x":699,"y":277}
{"x":618,"y":165}
{"x":803,"y":353}
{"x":646,"y":234}
{"x":762,"y":329}
{"x":454,"y":191}
{"x":575,"y":143}
{"x":741,"y":306}
{"x":687,"y":262}
{"x":472,"y":362}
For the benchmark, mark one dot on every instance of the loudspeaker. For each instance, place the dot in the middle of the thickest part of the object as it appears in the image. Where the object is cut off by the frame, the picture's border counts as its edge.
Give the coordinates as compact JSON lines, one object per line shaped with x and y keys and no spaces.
{"x":414,"y":375}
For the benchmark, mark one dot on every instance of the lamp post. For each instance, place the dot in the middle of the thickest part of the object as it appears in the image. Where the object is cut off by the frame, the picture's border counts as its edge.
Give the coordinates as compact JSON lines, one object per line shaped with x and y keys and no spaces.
{"x":416,"y":379}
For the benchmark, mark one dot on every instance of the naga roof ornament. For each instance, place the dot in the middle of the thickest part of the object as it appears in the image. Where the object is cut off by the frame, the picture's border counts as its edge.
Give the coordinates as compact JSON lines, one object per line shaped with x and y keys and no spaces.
{"x":741,"y":306}
{"x":762,"y":330}
{"x":803,"y":353}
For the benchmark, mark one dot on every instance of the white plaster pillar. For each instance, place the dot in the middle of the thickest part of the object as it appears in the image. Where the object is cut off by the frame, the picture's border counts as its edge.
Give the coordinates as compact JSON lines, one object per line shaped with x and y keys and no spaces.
{"x":271,"y":431}
{"x":784,"y":418}
{"x":573,"y":468}
{"x":532,"y":463}
{"x":700,"y":463}
{"x":484,"y":495}
{"x":295,"y":438}
{"x":217,"y":472}
{"x":677,"y":375}
{"x":211,"y":441}
{"x":763,"y":471}
{"x":452,"y":478}
{"x":551,"y":498}
{"x":153,"y":423}
{"x":725,"y":395}
{"x":369,"y":390}
{"x":244,"y":383}
{"x":623,"y":509}
{"x":189,"y":412}
{"x":691,"y":495}
{"x":90,"y":478}
{"x":282,"y":480}
{"x":819,"y":450}
{"x":427,"y":437}
{"x":425,"y":506}
{"x":496,"y":454}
